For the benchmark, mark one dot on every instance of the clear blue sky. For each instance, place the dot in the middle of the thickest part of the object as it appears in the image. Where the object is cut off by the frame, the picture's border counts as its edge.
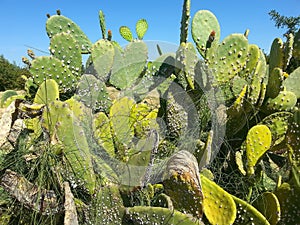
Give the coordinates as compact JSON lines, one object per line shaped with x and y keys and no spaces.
{"x":22,"y":22}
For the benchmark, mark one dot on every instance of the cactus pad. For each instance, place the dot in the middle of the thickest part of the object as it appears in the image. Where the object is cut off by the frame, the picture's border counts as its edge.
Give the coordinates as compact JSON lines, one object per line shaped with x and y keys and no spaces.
{"x":102,"y":57}
{"x":58,"y":24}
{"x":141,"y":28}
{"x":284,"y":101}
{"x":128,"y":66}
{"x":292,"y":81}
{"x":258,"y":141}
{"x":47,"y":92}
{"x":268,"y":204}
{"x":139,"y":215}
{"x":49,"y":67}
{"x":203,"y":23}
{"x":219,"y":206}
{"x":247,"y":214}
{"x":64,"y":47}
{"x":182,"y":183}
{"x":126,"y":33}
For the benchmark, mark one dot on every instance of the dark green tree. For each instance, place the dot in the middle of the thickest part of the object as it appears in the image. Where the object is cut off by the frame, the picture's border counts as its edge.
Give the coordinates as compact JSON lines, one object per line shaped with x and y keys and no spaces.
{"x":292,"y":23}
{"x":11,"y":75}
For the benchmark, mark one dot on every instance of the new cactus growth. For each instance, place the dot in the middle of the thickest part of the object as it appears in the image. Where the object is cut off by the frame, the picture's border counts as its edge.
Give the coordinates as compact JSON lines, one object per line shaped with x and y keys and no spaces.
{"x":141,"y":28}
{"x":126,"y":33}
{"x":102,"y":24}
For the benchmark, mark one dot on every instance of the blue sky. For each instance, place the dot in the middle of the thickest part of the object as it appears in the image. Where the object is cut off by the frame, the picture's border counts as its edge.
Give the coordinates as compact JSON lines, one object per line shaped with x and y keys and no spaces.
{"x":22,"y":22}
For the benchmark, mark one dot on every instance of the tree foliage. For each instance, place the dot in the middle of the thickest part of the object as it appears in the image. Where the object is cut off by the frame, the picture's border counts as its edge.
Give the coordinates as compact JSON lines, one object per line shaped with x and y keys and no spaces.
{"x":10,"y":75}
{"x":292,"y":23}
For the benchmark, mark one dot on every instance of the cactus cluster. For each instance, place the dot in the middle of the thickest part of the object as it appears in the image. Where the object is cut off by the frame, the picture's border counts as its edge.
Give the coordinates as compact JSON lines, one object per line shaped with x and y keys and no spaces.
{"x":181,"y":139}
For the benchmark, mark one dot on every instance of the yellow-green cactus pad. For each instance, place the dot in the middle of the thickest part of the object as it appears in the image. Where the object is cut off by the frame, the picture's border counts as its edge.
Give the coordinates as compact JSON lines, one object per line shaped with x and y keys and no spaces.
{"x":258,"y":141}
{"x":219,"y":207}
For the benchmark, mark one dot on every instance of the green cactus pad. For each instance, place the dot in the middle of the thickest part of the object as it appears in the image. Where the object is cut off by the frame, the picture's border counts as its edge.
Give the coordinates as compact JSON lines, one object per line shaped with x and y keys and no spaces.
{"x":121,"y":122}
{"x":203,"y":23}
{"x":278,"y":124}
{"x":267,"y":203}
{"x":247,"y":214}
{"x":291,"y":83}
{"x":93,"y":93}
{"x":49,"y":67}
{"x":229,"y":58}
{"x":102,"y":24}
{"x":128,"y":66}
{"x":103,"y":57}
{"x":102,"y":133}
{"x":258,"y":141}
{"x":258,"y":78}
{"x":274,"y":82}
{"x":185,"y":21}
{"x":47,"y":92}
{"x":144,"y":119}
{"x":78,"y":108}
{"x":177,"y":116}
{"x":139,"y":215}
{"x":251,"y":64}
{"x":187,"y":60}
{"x":57,"y":119}
{"x":219,"y":206}
{"x":58,"y":24}
{"x":141,"y":28}
{"x":182,"y":183}
{"x":126,"y":33}
{"x":289,"y":199}
{"x":276,"y":55}
{"x":7,"y":94}
{"x":107,"y":206}
{"x":64,"y":47}
{"x":285,"y":101}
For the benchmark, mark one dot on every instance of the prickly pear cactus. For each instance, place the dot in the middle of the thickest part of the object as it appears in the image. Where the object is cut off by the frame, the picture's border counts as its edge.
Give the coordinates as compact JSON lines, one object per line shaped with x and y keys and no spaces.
{"x":47,"y":92}
{"x":267,"y":203}
{"x":129,"y":65}
{"x":126,"y":33}
{"x":219,"y":206}
{"x":247,"y":214}
{"x":49,"y":67}
{"x":258,"y":141}
{"x":205,"y":31}
{"x":102,"y":57}
{"x":141,"y":214}
{"x":56,"y":119}
{"x":290,"y":82}
{"x":141,"y":28}
{"x":182,"y":183}
{"x":64,"y":47}
{"x":59,"y":23}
